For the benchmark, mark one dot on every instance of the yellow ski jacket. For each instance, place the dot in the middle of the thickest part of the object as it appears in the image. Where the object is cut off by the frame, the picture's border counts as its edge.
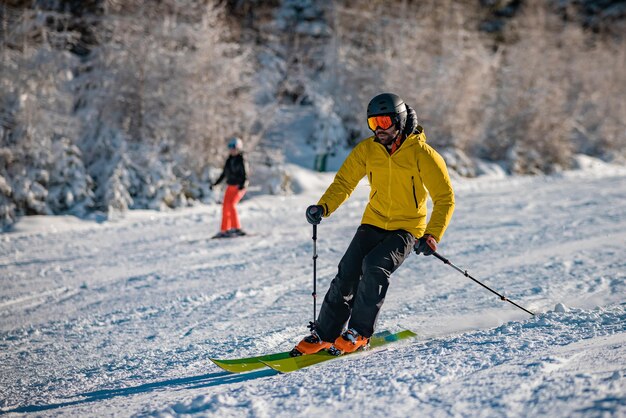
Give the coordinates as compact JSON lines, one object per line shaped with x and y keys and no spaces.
{"x":399,"y":186}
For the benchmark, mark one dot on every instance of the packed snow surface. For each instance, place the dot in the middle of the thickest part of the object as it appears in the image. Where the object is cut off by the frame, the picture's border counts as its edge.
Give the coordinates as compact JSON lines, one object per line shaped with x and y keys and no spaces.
{"x":121,"y":317}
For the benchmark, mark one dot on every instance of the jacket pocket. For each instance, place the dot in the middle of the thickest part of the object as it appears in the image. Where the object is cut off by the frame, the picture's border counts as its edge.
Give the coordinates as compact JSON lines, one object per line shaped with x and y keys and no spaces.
{"x":372,"y":186}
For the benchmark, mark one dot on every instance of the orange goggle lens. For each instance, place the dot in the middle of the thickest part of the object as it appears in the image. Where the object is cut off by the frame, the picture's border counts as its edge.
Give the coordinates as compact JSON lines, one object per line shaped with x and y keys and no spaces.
{"x":384,"y":122}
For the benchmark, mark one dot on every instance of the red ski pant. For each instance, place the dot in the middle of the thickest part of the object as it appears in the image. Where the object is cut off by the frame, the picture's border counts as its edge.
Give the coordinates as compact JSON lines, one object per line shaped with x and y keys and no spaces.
{"x":230,"y":218}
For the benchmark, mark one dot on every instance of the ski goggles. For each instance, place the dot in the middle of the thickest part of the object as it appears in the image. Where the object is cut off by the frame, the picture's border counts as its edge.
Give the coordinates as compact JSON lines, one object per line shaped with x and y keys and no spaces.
{"x":384,"y":122}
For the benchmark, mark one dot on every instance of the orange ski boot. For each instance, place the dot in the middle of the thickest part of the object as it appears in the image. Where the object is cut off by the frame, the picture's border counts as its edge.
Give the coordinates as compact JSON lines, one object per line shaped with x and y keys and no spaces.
{"x":311,"y":344}
{"x":350,"y":341}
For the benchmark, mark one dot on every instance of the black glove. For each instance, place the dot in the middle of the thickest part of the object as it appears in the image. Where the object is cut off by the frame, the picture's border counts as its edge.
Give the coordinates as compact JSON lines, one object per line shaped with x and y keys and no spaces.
{"x":425,"y":245}
{"x":314,"y":214}
{"x":211,"y":186}
{"x":242,"y":186}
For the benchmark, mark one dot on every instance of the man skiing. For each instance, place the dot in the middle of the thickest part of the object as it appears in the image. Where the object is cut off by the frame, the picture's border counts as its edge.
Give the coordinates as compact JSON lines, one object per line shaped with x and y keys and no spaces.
{"x":401,"y":169}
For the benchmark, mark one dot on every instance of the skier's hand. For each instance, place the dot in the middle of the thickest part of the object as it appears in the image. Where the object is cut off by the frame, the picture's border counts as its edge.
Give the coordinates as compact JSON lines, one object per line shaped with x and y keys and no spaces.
{"x":425,"y":245}
{"x":211,"y":186}
{"x":242,"y":186}
{"x":314,"y":214}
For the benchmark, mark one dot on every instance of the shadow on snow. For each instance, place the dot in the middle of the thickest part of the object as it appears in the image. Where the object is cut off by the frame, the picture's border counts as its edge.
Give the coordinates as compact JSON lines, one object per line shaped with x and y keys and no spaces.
{"x":194,"y":382}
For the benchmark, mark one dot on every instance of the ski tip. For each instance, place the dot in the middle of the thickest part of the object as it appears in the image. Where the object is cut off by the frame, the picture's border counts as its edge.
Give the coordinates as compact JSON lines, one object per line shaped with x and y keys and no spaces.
{"x":219,"y":364}
{"x":247,"y":364}
{"x":236,"y":367}
{"x":224,"y":366}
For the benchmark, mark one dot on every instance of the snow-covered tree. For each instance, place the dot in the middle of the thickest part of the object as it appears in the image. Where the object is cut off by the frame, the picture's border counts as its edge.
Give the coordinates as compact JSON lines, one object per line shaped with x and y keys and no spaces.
{"x":70,"y":188}
{"x":87,"y":129}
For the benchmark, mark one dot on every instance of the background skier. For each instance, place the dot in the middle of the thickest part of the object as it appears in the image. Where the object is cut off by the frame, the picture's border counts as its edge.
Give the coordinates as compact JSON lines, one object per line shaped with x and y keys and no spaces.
{"x":235,"y":172}
{"x":401,"y":169}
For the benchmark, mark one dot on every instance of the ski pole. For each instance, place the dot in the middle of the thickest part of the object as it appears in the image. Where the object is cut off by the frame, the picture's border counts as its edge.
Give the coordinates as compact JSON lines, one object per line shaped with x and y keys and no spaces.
{"x":466,"y":274}
{"x":314,"y":294}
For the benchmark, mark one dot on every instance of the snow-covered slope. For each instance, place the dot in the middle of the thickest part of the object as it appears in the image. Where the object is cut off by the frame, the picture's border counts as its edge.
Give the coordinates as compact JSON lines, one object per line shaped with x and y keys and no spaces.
{"x":120,"y":318}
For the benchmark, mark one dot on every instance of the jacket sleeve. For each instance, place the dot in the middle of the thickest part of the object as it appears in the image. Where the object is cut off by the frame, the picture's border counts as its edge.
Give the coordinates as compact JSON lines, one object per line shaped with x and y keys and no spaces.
{"x":245,"y":169}
{"x":221,"y":177}
{"x":435,"y":176}
{"x":351,"y":172}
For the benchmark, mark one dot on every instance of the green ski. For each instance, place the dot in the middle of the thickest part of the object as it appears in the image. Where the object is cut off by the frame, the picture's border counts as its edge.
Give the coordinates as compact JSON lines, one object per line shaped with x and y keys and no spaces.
{"x":248,"y":364}
{"x":290,"y":364}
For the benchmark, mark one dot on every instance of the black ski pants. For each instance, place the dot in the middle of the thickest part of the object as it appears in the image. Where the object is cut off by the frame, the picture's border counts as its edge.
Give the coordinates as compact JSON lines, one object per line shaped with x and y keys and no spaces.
{"x":358,"y":291}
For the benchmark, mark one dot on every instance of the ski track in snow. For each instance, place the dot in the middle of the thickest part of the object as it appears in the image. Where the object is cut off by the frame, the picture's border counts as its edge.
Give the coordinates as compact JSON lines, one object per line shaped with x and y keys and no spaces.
{"x":120,"y":318}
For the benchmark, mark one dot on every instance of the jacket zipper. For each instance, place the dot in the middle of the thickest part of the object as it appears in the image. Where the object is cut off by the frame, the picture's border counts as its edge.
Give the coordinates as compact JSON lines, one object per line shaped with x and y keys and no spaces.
{"x":414,"y":195}
{"x":389,"y":193}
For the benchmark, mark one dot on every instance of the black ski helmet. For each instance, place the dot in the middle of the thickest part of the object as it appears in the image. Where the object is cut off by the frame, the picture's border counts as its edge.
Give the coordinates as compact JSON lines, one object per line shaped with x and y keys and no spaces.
{"x":388,"y":104}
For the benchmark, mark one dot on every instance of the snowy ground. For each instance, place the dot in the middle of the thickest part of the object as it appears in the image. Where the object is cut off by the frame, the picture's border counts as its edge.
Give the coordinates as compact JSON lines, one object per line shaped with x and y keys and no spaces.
{"x":120,"y":318}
